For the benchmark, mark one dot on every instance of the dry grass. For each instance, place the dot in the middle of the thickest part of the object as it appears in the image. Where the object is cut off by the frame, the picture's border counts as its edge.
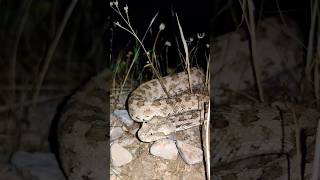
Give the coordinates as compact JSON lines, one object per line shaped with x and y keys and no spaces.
{"x":33,"y":59}
{"x":248,"y":15}
{"x":154,"y":63}
{"x":52,"y":49}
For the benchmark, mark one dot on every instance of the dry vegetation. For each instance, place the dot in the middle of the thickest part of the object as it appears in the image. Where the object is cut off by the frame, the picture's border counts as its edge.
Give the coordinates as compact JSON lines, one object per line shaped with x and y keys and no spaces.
{"x":48,"y":48}
{"x":154,"y":59}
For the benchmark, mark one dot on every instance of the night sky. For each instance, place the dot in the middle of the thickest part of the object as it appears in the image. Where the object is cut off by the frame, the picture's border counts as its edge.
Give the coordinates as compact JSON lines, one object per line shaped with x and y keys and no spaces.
{"x":197,"y":17}
{"x":193,"y":16}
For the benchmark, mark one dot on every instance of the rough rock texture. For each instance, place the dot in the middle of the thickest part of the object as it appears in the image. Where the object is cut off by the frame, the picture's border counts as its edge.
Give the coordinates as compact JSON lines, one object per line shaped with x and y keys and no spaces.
{"x":278,"y":51}
{"x":82,"y":132}
{"x":164,"y":148}
{"x":119,"y":155}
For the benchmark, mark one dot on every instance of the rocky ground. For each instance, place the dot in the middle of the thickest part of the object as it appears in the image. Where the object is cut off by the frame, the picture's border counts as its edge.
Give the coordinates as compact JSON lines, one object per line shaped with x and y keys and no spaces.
{"x":179,"y":156}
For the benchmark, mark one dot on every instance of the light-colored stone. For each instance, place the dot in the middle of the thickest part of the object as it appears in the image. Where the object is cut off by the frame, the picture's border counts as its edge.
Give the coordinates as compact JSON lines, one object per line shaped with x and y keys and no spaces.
{"x":190,"y":154}
{"x":164,"y":148}
{"x":123,"y":115}
{"x":115,"y":133}
{"x":119,"y":155}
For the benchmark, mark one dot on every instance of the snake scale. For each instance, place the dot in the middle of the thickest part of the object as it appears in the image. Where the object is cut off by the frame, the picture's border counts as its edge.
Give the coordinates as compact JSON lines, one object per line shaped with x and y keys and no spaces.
{"x":162,"y":115}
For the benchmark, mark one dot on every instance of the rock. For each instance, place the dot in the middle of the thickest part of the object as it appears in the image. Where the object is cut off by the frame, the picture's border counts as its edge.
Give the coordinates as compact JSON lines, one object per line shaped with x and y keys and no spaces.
{"x":127,"y":141}
{"x":42,"y":166}
{"x":119,"y":155}
{"x":190,"y":154}
{"x":82,"y":131}
{"x":164,"y":148}
{"x":232,"y":54}
{"x":123,"y":115}
{"x":115,"y":133}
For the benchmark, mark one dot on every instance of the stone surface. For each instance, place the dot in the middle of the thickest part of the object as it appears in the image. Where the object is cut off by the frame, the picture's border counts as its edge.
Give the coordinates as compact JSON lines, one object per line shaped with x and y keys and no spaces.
{"x":119,"y":155}
{"x":164,"y":148}
{"x":42,"y":166}
{"x":127,"y":141}
{"x":278,"y":53}
{"x":115,"y":133}
{"x":189,"y":153}
{"x":123,"y":115}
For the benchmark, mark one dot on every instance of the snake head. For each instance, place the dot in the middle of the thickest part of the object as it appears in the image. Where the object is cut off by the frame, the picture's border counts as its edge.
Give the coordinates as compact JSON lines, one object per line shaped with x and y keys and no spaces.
{"x":153,"y":130}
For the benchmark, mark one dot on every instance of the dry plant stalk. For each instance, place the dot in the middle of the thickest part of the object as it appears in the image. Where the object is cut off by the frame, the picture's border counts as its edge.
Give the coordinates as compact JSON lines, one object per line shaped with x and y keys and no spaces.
{"x":308,"y":68}
{"x":298,"y":144}
{"x":132,"y":32}
{"x":292,"y":35}
{"x":316,"y":80}
{"x":254,"y":50}
{"x":24,"y":16}
{"x":316,"y":68}
{"x":316,"y":159}
{"x":159,"y":78}
{"x":52,"y":49}
{"x":206,"y":122}
{"x":185,"y":47}
{"x":251,"y":27}
{"x":206,"y":126}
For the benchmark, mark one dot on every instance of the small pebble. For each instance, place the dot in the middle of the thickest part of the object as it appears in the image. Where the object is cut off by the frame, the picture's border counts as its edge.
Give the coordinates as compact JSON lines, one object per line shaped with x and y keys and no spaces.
{"x":190,"y":154}
{"x":123,"y":115}
{"x":164,"y":148}
{"x":115,"y":133}
{"x":119,"y":155}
